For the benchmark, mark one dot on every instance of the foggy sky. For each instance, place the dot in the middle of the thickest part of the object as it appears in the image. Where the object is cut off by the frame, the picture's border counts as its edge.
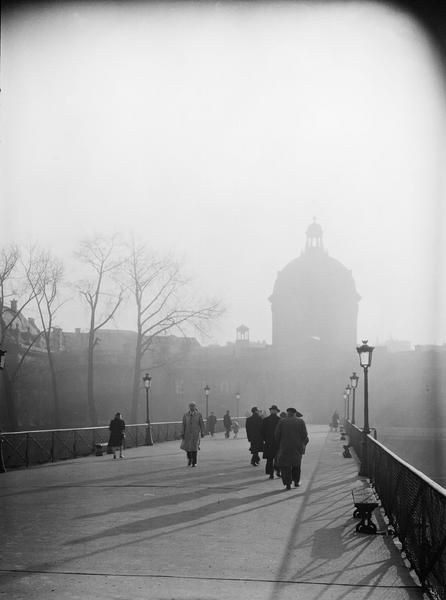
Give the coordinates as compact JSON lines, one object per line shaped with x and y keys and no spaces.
{"x":217,"y":131}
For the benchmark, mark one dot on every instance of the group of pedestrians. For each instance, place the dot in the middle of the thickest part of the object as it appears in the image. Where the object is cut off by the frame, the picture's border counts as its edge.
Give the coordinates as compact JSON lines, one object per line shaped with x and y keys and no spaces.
{"x":282,"y":438}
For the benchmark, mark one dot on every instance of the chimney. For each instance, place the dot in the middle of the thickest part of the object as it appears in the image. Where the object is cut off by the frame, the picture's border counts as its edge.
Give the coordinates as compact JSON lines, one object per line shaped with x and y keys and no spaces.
{"x":32,"y":322}
{"x":14,"y":306}
{"x":77,"y":331}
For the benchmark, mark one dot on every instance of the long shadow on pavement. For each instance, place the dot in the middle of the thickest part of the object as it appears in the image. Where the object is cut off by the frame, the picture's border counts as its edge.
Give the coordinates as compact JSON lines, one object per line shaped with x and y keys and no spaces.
{"x":327,"y":544}
{"x":55,"y":566}
{"x":172,"y":519}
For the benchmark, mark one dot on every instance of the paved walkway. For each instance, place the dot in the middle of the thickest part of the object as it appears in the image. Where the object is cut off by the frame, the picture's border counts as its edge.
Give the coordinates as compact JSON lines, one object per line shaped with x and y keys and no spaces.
{"x":148,"y":526}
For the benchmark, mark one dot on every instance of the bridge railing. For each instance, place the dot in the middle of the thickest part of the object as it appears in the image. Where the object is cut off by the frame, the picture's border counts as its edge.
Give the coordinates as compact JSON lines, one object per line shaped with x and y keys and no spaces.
{"x":26,"y":448}
{"x":415,"y":506}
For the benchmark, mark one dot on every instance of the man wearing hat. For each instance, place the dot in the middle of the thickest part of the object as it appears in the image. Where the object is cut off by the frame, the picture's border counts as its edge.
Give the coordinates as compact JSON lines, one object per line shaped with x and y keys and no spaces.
{"x":254,"y":435}
{"x":269,"y":425}
{"x":292,"y":438}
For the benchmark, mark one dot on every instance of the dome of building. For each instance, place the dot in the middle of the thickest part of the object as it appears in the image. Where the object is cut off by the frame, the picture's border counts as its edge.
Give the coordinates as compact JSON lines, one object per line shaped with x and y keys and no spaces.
{"x":314,"y":298}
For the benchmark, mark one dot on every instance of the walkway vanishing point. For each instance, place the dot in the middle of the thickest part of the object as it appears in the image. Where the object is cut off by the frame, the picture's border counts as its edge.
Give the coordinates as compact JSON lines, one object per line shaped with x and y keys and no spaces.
{"x":149,"y":527}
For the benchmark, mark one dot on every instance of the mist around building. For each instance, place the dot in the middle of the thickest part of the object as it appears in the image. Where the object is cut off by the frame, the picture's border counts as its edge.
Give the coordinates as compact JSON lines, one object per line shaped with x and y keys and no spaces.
{"x":314,"y":311}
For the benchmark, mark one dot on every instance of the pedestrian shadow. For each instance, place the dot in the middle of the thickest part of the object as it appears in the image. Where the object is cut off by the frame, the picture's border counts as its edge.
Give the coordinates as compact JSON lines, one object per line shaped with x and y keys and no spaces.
{"x":328,"y":544}
{"x":120,"y":546}
{"x":151,"y":503}
{"x":192,"y":476}
{"x":173,"y":519}
{"x":175,"y":498}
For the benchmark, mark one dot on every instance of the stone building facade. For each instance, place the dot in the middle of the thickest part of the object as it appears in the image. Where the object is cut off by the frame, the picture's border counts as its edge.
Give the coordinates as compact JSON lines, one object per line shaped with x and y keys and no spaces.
{"x":314,"y":308}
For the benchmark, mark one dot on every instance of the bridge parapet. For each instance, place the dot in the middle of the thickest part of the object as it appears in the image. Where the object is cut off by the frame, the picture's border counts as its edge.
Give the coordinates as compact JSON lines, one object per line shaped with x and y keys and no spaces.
{"x":26,"y":448}
{"x":415,"y":506}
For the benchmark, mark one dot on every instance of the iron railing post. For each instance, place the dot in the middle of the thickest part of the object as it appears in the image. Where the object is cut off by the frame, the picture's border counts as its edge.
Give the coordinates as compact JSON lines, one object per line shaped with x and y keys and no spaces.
{"x":27,"y":450}
{"x":74,"y":443}
{"x":52,"y":446}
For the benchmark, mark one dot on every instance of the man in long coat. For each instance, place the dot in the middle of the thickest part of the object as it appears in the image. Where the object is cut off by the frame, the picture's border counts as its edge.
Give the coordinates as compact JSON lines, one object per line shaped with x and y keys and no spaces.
{"x":227,"y":423}
{"x":269,"y":425}
{"x":193,"y":429}
{"x":212,"y":422}
{"x":254,"y":435}
{"x":292,"y":438}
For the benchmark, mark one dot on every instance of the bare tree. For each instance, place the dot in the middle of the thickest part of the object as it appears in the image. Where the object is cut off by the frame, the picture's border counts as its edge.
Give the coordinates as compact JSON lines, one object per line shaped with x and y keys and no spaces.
{"x":44,"y":274}
{"x":163,"y":302}
{"x":11,"y":285}
{"x":99,"y":293}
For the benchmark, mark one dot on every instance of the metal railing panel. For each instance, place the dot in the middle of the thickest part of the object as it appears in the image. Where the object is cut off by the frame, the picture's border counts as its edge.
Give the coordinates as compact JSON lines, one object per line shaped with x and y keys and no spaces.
{"x":26,"y":448}
{"x":415,"y":506}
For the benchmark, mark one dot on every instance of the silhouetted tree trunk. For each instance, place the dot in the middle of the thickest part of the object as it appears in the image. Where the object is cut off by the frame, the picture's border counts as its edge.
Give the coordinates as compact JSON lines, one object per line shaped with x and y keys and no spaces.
{"x":164,"y":303}
{"x":11,"y":281}
{"x":44,"y":274}
{"x":98,"y":254}
{"x":11,"y":423}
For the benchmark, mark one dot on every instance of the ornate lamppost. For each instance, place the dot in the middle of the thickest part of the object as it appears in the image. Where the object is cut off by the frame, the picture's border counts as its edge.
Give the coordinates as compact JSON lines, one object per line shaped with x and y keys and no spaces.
{"x":207,"y":389}
{"x":348,"y":389}
{"x":365,"y":360}
{"x":354,"y":384}
{"x":147,"y":383}
{"x":237,"y":404}
{"x":2,"y":366}
{"x":342,"y":427}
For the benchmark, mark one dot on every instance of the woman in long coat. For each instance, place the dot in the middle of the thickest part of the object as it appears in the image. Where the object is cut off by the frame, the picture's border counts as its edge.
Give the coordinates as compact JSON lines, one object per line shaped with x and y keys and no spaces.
{"x":117,"y":434}
{"x":193,"y":430}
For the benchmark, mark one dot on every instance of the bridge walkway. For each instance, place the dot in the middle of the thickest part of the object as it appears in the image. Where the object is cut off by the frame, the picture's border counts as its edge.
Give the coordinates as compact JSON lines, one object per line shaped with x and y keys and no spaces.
{"x":149,"y":527}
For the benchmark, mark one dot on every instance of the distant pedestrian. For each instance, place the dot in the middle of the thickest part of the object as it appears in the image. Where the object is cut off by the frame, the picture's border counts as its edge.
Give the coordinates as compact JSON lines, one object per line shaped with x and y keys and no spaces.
{"x":117,"y":435}
{"x":292,"y":438}
{"x":193,"y":429}
{"x":212,"y":421}
{"x":334,"y":424}
{"x":270,"y":447}
{"x":254,"y":435}
{"x":235,"y":428}
{"x":227,"y":422}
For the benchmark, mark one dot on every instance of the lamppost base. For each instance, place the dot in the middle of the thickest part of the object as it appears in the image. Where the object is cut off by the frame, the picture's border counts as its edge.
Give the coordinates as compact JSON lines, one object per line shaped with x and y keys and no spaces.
{"x":149,"y":440}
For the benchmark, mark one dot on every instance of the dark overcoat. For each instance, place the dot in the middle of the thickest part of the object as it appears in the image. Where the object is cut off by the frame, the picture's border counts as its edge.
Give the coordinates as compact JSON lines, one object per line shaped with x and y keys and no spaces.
{"x":227,"y":421}
{"x":117,"y":429}
{"x":212,"y":421}
{"x":269,"y":425}
{"x":292,"y":438}
{"x":254,"y":432}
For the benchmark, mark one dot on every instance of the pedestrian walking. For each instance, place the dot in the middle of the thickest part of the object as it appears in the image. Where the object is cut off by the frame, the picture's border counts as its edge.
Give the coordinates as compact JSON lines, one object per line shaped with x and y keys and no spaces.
{"x":270,"y":447}
{"x":254,"y":435}
{"x":117,"y":434}
{"x":334,"y":424}
{"x":227,"y":422}
{"x":235,"y":428}
{"x":193,"y":429}
{"x":212,"y":421}
{"x":292,"y":438}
